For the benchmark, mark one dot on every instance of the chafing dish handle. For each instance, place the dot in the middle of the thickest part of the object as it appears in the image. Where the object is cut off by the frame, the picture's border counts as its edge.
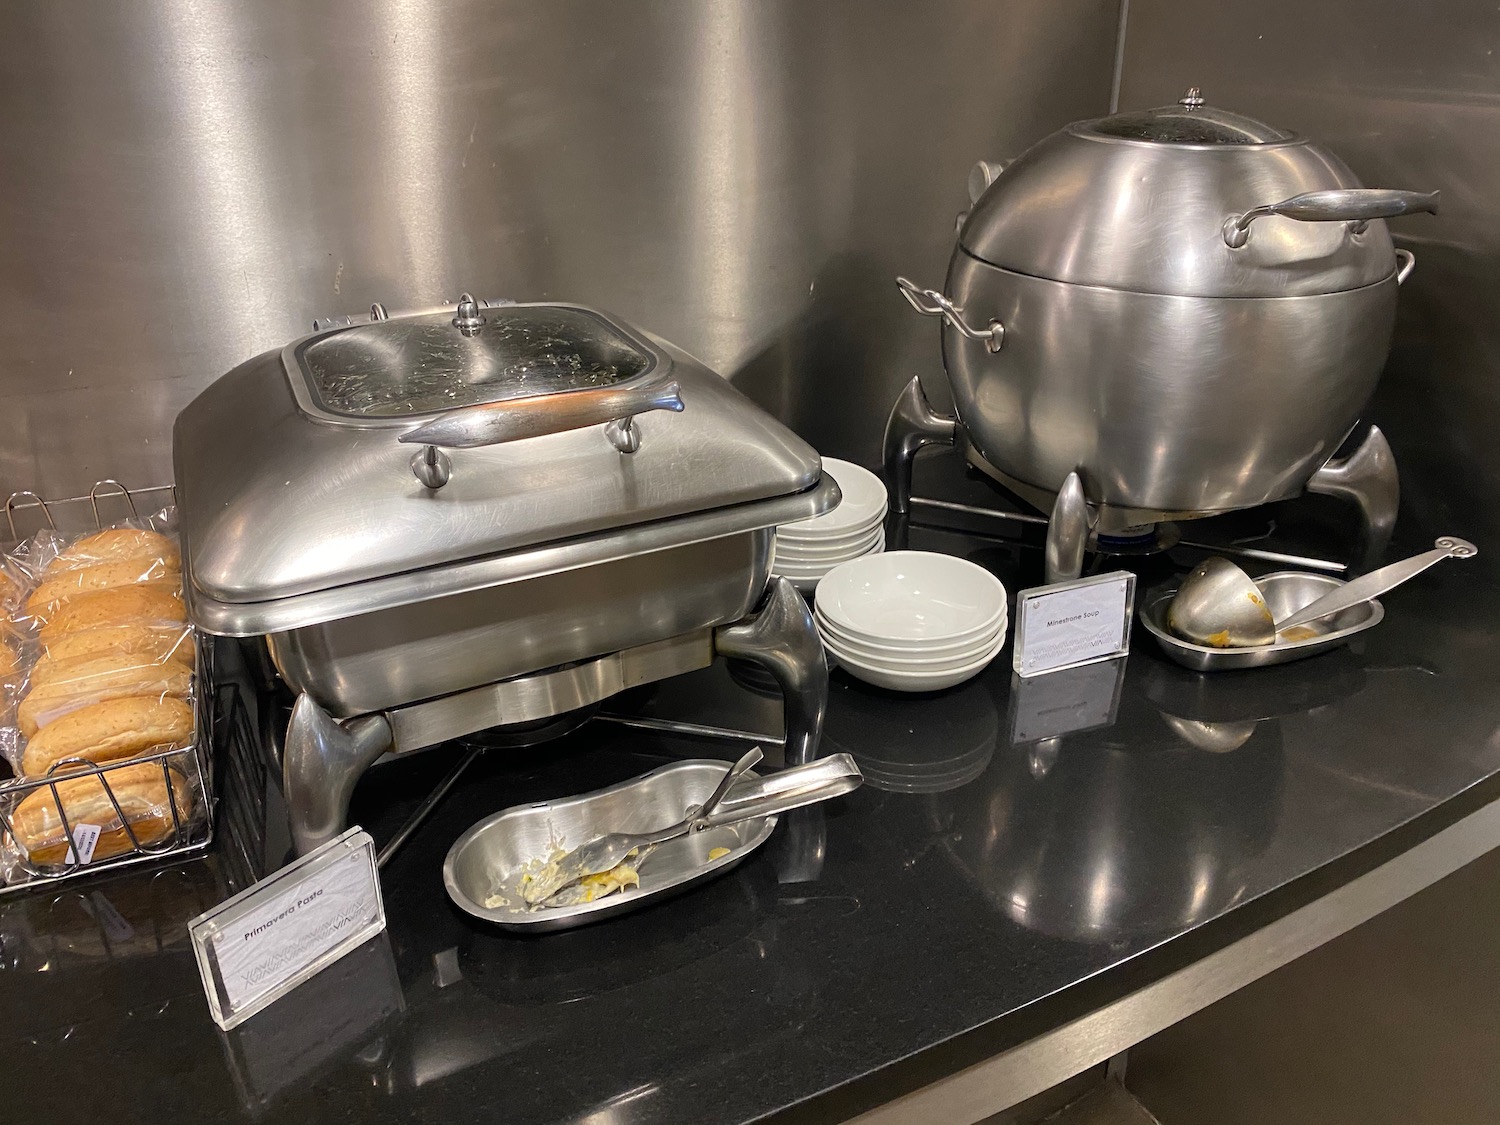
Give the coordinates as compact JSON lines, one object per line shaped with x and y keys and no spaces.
{"x":1356,"y":206}
{"x":516,"y":419}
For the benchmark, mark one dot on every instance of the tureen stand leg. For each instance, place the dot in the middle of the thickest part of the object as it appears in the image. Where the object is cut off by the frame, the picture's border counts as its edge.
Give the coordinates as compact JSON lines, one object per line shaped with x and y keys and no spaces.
{"x":320,"y":764}
{"x":1367,"y":477}
{"x":912,"y":424}
{"x":1067,"y":531}
{"x":782,"y":639}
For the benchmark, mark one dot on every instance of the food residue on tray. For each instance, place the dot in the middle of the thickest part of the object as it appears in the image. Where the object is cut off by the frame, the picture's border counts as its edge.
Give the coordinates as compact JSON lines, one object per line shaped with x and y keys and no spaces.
{"x":510,"y":891}
{"x":511,"y":887}
{"x":593,"y":887}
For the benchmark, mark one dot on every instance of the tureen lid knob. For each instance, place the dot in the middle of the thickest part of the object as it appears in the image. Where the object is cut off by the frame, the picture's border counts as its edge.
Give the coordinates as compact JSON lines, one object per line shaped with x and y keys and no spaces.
{"x":468,"y":317}
{"x":1192,"y":99}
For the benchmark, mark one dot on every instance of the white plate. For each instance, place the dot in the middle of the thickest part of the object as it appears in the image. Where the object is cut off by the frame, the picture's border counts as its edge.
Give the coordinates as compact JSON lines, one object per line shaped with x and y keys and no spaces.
{"x":864,"y":501}
{"x":946,"y":656}
{"x":911,"y":596}
{"x":906,"y":680}
{"x":799,"y":536}
{"x":813,"y":571}
{"x":840,"y":552}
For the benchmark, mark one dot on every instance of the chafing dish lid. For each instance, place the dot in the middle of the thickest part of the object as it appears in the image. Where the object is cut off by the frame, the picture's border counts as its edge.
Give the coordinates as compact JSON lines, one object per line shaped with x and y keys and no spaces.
{"x":292,"y":479}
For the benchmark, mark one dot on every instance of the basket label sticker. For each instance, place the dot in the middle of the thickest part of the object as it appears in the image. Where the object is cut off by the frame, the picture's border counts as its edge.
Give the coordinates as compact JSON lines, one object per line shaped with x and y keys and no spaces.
{"x":1072,"y":623}
{"x":85,"y":840}
{"x":267,"y":940}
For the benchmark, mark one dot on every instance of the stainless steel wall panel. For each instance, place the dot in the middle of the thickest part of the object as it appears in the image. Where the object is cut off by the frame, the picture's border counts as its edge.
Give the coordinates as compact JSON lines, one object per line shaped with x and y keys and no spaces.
{"x":192,"y":181}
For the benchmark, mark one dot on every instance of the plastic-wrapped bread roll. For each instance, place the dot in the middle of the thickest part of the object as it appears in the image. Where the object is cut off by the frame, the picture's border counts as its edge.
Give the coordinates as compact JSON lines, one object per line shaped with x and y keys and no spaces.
{"x":141,"y":792}
{"x":11,"y":591}
{"x":10,"y":586}
{"x":152,"y":603}
{"x":55,"y":591}
{"x":154,"y":642}
{"x":118,"y":544}
{"x":69,"y":685}
{"x":53,"y":669}
{"x":110,"y":731}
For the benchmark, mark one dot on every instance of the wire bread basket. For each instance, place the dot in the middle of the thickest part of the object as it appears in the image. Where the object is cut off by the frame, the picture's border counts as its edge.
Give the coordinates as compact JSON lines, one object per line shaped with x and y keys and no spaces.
{"x":185,"y":819}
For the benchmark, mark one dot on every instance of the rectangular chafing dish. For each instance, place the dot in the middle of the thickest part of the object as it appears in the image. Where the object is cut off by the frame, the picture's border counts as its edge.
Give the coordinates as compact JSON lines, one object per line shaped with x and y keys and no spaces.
{"x":479,"y":516}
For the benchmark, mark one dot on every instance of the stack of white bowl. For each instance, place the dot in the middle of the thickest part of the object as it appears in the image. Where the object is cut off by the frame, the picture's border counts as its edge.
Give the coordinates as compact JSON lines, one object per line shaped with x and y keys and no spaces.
{"x":912,"y":620}
{"x":808,"y":549}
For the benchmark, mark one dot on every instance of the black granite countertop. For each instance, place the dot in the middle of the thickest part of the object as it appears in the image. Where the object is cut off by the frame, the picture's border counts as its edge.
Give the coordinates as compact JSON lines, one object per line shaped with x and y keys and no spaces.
{"x":986,"y":885}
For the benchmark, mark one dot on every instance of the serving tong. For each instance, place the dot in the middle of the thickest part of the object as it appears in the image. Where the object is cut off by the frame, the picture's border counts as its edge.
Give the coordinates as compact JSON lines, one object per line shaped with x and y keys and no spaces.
{"x":791,"y":788}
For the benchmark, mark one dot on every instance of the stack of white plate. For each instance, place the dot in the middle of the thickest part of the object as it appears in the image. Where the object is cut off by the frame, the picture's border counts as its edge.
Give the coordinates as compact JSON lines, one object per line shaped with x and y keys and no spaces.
{"x":808,"y":549}
{"x":912,"y":620}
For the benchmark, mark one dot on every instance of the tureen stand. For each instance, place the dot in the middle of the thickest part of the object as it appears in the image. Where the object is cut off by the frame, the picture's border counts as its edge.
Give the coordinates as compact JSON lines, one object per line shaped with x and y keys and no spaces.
{"x":1366,"y":478}
{"x":324,"y":758}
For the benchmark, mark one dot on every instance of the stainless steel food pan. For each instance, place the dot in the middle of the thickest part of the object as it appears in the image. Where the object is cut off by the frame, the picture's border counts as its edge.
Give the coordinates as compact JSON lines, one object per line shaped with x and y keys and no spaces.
{"x":373,"y":661}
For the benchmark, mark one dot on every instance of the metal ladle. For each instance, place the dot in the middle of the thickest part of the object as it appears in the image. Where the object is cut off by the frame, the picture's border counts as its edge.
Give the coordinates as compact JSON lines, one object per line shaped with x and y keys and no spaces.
{"x":1219,"y":606}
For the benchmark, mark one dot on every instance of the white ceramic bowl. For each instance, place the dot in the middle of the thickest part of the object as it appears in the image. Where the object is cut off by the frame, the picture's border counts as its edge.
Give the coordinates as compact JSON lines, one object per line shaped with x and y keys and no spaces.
{"x":835,"y":552}
{"x":955,"y":654}
{"x":900,"y":679}
{"x":919,"y":647}
{"x":864,"y":502}
{"x":890,"y":663}
{"x":906,"y":596}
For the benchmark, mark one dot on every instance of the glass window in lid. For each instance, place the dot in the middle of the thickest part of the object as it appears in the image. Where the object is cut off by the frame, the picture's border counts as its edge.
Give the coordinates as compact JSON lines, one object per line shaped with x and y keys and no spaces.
{"x":417,"y":365}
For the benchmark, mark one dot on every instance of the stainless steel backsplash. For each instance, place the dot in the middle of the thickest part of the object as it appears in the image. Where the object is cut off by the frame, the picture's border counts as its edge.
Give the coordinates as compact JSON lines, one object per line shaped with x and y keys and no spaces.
{"x":189,"y":182}
{"x":1409,"y":96}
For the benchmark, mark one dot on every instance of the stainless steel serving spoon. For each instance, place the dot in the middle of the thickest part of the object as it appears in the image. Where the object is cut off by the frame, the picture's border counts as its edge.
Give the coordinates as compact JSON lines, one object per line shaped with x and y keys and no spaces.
{"x":1219,"y":606}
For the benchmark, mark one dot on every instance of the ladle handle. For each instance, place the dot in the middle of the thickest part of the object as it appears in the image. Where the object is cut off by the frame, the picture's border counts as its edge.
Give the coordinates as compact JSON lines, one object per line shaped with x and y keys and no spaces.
{"x":1377,"y":582}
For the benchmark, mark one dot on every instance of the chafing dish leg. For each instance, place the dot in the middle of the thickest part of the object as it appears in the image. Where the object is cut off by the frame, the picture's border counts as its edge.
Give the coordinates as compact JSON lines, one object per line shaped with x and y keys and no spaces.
{"x":1067,"y":531}
{"x":1367,"y":477}
{"x":782,"y":638}
{"x":322,"y":762}
{"x":912,"y":424}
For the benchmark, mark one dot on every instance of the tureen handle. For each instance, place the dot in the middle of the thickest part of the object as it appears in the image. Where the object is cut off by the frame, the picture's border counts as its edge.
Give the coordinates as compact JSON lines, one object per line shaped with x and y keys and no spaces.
{"x":516,"y":419}
{"x":1406,"y":261}
{"x":929,"y":302}
{"x":1356,"y":206}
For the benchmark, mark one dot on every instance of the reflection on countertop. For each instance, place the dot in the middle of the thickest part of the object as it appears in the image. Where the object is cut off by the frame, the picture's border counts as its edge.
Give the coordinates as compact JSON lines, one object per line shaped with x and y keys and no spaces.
{"x":1020,"y":851}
